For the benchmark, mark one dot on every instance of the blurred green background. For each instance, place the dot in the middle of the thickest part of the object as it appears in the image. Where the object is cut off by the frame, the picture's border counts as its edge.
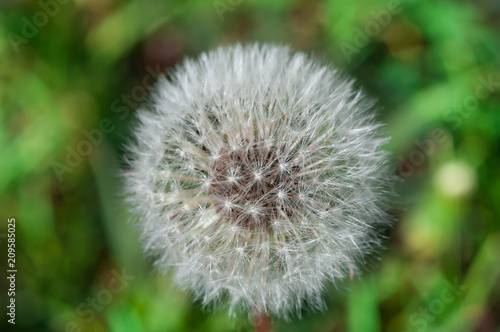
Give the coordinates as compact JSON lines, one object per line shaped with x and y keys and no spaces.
{"x":73,"y":72}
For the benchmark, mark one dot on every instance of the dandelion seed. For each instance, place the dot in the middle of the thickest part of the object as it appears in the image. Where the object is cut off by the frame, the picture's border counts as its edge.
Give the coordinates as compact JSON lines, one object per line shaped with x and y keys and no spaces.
{"x":271,"y":176}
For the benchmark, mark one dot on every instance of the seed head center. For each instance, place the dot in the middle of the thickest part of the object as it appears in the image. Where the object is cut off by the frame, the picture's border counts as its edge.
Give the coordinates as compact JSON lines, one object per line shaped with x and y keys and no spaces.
{"x":250,"y":188}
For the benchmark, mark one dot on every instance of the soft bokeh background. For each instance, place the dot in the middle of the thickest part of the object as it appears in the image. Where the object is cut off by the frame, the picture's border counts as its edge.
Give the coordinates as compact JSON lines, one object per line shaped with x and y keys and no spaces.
{"x":71,"y":71}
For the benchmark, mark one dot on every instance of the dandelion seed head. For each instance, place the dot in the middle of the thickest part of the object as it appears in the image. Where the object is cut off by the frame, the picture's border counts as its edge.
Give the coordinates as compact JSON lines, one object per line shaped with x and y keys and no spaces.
{"x":258,"y":176}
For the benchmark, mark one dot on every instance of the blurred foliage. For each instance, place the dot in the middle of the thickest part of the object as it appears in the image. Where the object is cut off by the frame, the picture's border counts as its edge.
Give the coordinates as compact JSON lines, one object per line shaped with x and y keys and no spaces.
{"x":69,"y":68}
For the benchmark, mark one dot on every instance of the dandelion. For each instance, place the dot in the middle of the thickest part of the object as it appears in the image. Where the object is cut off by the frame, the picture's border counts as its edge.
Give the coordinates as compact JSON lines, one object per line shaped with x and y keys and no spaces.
{"x":258,"y":177}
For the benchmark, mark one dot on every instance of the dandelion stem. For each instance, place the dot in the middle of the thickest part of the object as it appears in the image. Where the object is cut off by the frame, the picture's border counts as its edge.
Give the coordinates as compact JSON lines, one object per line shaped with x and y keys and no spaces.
{"x":262,"y":323}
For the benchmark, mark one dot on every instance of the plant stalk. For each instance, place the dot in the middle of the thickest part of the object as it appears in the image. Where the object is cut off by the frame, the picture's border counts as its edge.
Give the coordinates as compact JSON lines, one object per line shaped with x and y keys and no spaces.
{"x":262,"y":323}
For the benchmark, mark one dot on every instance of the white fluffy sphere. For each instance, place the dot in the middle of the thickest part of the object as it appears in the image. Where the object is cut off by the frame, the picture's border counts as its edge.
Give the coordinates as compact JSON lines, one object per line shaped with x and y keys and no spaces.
{"x":257,"y":177}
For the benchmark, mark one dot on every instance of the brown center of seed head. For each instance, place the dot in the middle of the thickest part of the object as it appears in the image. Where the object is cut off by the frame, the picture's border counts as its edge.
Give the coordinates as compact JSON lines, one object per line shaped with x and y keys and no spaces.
{"x":253,"y":187}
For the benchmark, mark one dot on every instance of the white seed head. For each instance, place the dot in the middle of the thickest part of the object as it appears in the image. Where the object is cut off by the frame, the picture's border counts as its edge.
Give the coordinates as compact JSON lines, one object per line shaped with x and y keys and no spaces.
{"x":277,"y":183}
